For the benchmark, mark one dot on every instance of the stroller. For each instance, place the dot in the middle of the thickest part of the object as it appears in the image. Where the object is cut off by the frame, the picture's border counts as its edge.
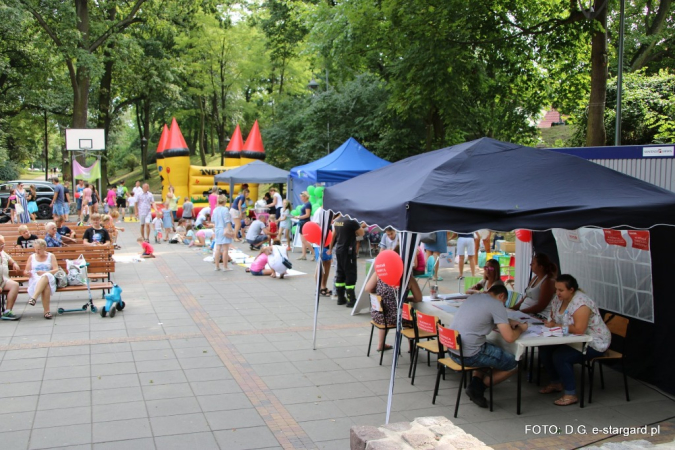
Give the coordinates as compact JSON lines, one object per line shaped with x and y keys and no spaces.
{"x":373,"y":235}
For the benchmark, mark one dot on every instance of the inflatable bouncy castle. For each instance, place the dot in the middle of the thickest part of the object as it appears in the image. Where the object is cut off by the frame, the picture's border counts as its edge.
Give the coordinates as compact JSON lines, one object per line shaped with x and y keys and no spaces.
{"x":195,"y":182}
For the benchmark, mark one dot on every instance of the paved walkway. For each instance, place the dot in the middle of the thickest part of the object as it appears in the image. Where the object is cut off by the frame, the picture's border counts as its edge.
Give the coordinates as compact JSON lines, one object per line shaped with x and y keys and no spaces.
{"x":204,"y":359}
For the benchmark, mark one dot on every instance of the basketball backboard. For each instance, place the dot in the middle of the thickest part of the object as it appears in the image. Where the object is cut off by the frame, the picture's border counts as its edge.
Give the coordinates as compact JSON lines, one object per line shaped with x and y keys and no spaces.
{"x":85,"y":139}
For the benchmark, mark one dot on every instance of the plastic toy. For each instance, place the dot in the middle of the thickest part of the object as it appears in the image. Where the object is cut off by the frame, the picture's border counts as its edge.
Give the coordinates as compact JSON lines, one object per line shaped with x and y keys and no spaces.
{"x":113,"y":302}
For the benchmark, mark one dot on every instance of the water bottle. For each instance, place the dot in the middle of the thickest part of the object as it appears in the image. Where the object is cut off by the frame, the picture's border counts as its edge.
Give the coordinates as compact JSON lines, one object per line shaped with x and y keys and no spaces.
{"x":566,"y":323}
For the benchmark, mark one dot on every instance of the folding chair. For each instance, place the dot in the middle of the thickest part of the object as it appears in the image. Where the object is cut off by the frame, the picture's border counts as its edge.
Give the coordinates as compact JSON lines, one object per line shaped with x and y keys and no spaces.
{"x":451,"y":340}
{"x":618,"y":326}
{"x":426,"y":323}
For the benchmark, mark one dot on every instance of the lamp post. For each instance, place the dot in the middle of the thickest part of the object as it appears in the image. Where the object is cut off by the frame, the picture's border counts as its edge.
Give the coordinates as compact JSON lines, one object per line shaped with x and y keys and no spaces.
{"x":314,"y":86}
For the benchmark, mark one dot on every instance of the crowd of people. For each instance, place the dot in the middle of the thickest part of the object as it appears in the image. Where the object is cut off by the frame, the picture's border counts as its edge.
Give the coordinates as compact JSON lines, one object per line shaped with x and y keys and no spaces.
{"x":555,"y":298}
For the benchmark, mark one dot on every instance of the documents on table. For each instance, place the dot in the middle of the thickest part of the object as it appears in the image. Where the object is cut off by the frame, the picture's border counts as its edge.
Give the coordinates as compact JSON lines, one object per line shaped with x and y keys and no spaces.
{"x":522,"y":317}
{"x":453,"y":296}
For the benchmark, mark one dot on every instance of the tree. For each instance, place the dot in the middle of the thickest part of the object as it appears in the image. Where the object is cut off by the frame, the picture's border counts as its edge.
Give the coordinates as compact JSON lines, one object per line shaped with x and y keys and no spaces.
{"x":78,"y":32}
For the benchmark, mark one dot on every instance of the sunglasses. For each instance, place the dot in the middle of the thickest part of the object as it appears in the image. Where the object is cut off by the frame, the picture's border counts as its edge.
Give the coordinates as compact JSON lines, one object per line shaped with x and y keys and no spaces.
{"x":489,"y":268}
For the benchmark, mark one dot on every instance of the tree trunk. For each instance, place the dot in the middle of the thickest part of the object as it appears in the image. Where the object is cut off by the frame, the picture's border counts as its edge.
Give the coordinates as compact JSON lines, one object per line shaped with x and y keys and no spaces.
{"x":146,"y":138}
{"x":202,"y":137}
{"x":81,"y":87}
{"x":104,"y":100}
{"x":596,"y":134}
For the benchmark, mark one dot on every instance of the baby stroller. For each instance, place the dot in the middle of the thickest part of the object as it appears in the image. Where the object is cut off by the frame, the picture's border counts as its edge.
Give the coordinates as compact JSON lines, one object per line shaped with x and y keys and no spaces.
{"x":373,"y":235}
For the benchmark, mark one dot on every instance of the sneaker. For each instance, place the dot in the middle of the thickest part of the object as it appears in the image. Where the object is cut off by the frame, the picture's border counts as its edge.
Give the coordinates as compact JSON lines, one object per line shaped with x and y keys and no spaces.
{"x":475,"y":397}
{"x":8,"y":315}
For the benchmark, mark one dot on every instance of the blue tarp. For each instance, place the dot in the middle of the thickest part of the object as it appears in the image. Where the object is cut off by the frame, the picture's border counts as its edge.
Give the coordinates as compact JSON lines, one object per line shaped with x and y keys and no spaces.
{"x":349,"y":160}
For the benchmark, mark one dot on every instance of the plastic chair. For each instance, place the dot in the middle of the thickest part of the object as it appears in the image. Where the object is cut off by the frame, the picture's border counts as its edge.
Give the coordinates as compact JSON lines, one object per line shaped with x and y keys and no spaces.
{"x":618,"y":326}
{"x":471,"y":281}
{"x":428,"y":272}
{"x":451,"y":340}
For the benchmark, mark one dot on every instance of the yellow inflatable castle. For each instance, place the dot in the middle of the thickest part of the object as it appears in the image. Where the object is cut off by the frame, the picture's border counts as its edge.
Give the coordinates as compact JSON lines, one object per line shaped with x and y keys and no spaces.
{"x":195,"y":182}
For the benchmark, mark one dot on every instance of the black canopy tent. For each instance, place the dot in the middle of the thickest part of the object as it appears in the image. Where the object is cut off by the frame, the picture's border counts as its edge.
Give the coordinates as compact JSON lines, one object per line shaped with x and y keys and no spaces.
{"x":525,"y":188}
{"x":450,"y":189}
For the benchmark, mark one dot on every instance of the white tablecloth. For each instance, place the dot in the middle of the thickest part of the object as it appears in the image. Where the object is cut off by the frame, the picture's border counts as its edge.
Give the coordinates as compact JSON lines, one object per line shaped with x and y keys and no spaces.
{"x":517,"y":348}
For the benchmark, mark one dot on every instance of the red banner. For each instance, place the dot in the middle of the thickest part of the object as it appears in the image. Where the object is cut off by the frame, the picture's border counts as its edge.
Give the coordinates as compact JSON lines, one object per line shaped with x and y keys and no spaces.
{"x":640,"y":239}
{"x":614,"y":237}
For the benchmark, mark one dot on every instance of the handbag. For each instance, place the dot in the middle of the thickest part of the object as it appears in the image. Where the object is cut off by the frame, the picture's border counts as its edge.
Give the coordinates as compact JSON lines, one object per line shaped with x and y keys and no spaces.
{"x":229,"y":232}
{"x":61,"y":278}
{"x":285,"y":261}
{"x":428,"y":238}
{"x":18,"y":208}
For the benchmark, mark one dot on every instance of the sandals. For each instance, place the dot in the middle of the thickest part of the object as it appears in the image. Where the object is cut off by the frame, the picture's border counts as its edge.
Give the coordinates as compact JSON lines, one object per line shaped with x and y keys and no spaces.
{"x":566,"y":400}
{"x":550,"y":389}
{"x":386,"y":347}
{"x":48,"y":315}
{"x":32,"y":302}
{"x":325,"y":292}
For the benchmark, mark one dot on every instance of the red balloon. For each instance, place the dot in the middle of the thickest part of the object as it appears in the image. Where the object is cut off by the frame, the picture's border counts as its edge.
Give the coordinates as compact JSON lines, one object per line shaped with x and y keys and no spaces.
{"x":312,"y":232}
{"x":168,"y":170}
{"x":389,"y":267}
{"x":524,"y":235}
{"x":329,"y":238}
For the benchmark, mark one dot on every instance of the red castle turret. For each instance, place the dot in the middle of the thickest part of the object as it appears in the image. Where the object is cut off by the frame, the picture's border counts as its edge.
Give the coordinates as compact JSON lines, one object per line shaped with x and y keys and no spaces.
{"x":233,"y":150}
{"x":253,"y":148}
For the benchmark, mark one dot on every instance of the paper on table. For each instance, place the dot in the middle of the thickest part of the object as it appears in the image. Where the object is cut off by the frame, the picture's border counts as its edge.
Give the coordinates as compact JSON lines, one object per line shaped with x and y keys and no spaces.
{"x":522,"y":317}
{"x":453,"y":296}
{"x":553,"y":332}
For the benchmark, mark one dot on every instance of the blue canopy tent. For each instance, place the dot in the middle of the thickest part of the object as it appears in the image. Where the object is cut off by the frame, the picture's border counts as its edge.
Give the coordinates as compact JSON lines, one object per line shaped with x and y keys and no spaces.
{"x":349,"y":160}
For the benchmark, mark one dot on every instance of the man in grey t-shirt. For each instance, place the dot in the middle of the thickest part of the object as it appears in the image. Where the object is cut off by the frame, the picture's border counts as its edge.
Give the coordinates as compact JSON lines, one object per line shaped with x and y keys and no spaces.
{"x":475,"y":319}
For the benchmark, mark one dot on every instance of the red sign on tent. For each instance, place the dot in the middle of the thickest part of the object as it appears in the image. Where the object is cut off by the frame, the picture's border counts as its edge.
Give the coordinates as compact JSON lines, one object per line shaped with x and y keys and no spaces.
{"x":640,"y":239}
{"x":614,"y":237}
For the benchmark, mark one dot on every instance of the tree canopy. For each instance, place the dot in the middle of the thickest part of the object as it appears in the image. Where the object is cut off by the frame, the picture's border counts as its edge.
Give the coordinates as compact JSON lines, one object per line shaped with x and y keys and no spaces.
{"x":402,"y":77}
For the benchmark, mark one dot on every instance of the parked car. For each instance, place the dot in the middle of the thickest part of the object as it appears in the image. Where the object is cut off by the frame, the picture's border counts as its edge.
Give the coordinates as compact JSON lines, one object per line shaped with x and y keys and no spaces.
{"x":45,"y":194}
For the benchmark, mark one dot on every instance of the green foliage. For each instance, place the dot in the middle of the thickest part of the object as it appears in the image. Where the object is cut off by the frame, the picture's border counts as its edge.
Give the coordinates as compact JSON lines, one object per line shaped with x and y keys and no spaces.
{"x":130,"y":162}
{"x":648,"y":110}
{"x":9,"y":170}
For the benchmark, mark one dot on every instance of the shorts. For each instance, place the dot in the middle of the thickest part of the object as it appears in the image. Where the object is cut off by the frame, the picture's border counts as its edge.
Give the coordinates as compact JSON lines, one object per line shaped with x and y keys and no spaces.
{"x":324,"y":254}
{"x":257,"y":274}
{"x":187,"y":217}
{"x":257,"y":241}
{"x":301,"y":224}
{"x":235,"y":213}
{"x":121,"y":202}
{"x":466,"y":245}
{"x":489,"y":355}
{"x":146,"y":219}
{"x":79,"y":203}
{"x":60,"y":209}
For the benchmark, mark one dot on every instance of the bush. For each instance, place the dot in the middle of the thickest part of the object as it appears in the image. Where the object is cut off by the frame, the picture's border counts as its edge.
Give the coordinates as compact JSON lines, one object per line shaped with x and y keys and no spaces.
{"x":9,"y":171}
{"x":131,"y":162}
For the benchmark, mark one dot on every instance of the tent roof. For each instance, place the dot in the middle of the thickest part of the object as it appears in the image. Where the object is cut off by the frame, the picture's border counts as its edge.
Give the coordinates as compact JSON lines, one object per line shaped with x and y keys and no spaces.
{"x":349,"y":160}
{"x":491,"y":184}
{"x":254,"y":172}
